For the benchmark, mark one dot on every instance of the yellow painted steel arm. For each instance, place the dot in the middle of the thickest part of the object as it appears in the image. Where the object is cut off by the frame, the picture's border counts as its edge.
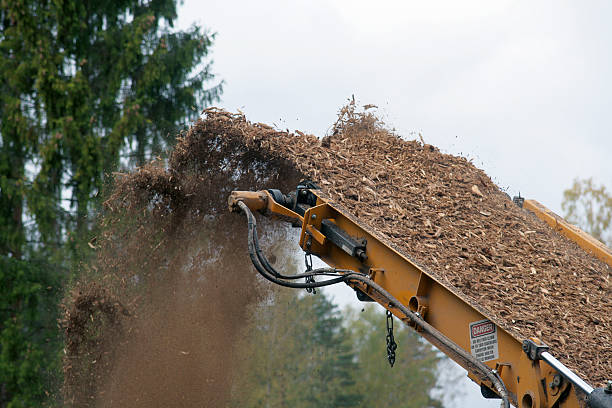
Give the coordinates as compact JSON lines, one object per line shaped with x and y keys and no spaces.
{"x":263,"y":202}
{"x":530,"y":382}
{"x":584,"y":240}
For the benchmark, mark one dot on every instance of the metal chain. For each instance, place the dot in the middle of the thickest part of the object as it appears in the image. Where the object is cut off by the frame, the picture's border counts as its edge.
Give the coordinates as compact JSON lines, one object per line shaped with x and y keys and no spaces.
{"x":308,"y":262}
{"x":391,"y":344}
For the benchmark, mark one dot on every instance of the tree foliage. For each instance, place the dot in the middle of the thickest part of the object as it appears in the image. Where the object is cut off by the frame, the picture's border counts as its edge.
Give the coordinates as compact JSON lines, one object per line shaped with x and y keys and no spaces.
{"x":301,"y":356}
{"x":85,"y":86}
{"x":414,"y":375}
{"x":81,"y":83}
{"x":28,"y":348}
{"x":589,"y":206}
{"x":305,"y":353}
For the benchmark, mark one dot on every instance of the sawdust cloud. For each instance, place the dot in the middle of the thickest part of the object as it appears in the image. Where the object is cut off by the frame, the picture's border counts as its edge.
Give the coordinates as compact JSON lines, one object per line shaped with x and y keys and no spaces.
{"x":155,"y":320}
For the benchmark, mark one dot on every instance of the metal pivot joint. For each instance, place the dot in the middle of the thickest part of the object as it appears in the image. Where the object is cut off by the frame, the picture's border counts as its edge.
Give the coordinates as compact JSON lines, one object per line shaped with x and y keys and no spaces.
{"x":537,"y":352}
{"x":596,"y":398}
{"x":301,"y":200}
{"x":533,"y":350}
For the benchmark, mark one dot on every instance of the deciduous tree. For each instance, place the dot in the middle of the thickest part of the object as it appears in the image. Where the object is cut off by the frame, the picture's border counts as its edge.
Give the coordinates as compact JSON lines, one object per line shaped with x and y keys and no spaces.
{"x":589,"y":205}
{"x":305,"y":353}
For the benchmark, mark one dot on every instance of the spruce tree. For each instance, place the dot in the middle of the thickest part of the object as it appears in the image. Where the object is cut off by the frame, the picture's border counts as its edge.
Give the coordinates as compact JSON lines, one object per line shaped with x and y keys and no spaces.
{"x":415,"y":373}
{"x":85,"y":86}
{"x":302,"y":356}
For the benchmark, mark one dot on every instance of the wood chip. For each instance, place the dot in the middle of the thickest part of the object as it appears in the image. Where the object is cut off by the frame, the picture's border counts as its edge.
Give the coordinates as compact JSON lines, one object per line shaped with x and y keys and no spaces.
{"x":535,"y":282}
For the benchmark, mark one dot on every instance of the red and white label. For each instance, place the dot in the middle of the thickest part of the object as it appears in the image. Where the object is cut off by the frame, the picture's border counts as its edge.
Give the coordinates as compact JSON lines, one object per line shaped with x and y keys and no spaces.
{"x":482,"y":328}
{"x":483,"y":340}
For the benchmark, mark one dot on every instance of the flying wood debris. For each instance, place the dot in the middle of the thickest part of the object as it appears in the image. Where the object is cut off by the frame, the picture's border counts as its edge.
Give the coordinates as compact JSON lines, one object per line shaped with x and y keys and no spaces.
{"x":157,"y":318}
{"x":450,"y":218}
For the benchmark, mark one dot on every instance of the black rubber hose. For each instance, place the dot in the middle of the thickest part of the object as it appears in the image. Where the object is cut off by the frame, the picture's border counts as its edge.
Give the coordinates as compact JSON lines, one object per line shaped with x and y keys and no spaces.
{"x":266,"y":264}
{"x":440,"y":338}
{"x":264,"y":261}
{"x":259,"y":260}
{"x":269,"y":275}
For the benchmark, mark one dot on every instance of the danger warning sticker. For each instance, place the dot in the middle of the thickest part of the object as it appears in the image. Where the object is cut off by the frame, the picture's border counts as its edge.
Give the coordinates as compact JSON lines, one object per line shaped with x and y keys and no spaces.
{"x":483,"y":340}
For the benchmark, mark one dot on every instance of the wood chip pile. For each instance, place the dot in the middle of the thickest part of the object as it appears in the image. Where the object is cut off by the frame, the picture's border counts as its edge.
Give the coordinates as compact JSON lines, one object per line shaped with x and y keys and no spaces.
{"x":450,"y":218}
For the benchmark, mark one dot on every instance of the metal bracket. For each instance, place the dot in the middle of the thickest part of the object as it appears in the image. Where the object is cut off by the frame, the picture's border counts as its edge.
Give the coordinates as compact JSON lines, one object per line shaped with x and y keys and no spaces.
{"x":518,"y":200}
{"x":600,"y":398}
{"x":533,"y":350}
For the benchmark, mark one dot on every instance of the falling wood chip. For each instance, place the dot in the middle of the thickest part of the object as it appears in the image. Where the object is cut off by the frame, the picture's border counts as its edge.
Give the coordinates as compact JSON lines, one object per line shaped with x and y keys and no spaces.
{"x":476,"y":191}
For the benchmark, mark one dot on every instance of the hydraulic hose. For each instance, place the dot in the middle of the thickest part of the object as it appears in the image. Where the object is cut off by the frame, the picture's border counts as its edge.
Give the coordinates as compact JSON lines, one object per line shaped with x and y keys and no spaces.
{"x":266,"y":265}
{"x":275,"y":277}
{"x":443,"y":342}
{"x":348,"y":276}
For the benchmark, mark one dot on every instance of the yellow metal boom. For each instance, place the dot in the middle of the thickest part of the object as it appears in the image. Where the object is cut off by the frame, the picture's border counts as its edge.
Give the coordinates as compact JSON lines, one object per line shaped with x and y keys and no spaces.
{"x":584,"y":240}
{"x":523,"y":372}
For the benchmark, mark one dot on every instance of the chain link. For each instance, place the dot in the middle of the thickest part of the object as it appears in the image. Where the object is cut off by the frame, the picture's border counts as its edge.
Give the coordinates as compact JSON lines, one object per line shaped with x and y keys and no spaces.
{"x":391,"y":344}
{"x":308,"y":262}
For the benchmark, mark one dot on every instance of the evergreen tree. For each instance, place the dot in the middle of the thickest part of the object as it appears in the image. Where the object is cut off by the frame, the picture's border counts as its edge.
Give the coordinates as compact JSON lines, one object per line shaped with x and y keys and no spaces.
{"x":410,"y":382}
{"x":29,"y":350}
{"x":84,"y":87}
{"x":301,"y":356}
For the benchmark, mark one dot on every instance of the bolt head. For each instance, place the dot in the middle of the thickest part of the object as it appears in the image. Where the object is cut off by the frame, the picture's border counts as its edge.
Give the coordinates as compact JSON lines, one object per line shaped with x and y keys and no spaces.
{"x":313,"y":216}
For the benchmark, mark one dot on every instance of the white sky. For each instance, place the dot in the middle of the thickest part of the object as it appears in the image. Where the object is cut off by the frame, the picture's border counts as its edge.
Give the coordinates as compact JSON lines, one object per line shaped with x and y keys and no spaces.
{"x":522,"y":87}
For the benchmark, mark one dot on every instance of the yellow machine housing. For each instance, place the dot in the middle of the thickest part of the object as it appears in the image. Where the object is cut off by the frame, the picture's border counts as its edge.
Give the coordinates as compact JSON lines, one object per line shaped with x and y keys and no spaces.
{"x":531,"y":376}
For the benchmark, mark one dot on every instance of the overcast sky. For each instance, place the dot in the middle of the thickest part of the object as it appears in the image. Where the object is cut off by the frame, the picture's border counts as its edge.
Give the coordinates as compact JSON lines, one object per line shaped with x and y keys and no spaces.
{"x":522,"y":87}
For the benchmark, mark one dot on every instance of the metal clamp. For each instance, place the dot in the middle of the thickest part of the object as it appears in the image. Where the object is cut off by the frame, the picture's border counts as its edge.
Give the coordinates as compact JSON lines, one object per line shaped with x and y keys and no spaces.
{"x":533,"y":350}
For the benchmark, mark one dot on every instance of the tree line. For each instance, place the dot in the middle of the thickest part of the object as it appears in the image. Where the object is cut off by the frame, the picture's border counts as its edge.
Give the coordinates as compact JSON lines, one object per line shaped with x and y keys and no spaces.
{"x":304,"y":352}
{"x":86,"y":87}
{"x":588,"y":204}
